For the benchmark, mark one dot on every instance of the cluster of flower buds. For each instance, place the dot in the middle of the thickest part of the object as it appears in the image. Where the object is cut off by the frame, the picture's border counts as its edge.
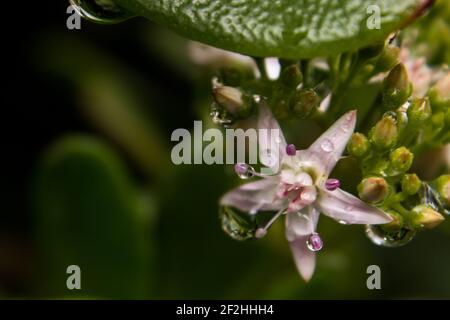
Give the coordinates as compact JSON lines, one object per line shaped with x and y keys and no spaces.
{"x":386,"y":154}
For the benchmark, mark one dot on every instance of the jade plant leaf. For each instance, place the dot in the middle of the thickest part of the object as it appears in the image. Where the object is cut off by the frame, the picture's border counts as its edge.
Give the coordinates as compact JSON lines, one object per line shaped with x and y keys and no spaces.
{"x":281,"y":28}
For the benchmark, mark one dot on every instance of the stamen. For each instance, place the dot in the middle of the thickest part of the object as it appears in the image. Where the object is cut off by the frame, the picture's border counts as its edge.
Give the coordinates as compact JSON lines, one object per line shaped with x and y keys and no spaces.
{"x":290,"y":150}
{"x":261,"y":232}
{"x":332,"y":184}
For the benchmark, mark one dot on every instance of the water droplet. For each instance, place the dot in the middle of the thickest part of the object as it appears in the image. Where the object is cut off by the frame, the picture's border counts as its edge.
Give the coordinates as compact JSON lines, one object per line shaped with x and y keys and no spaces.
{"x":385,"y":239}
{"x":244,"y":171}
{"x":430,"y":197}
{"x":344,"y":222}
{"x":257,"y":98}
{"x":314,"y":242}
{"x":220,"y":116}
{"x":238,"y":225}
{"x":345,"y":127}
{"x":392,"y":115}
{"x":101,"y":11}
{"x":327,"y":145}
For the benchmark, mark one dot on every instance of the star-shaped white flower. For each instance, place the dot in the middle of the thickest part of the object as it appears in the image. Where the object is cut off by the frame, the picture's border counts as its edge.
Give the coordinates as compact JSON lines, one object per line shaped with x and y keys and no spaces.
{"x":301,"y":189}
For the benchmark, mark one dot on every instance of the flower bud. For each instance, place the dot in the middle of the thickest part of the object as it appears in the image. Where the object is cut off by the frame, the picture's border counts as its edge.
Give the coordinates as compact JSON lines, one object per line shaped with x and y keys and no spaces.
{"x":358,"y":145}
{"x":396,"y":87}
{"x":411,"y":184}
{"x":291,"y":76}
{"x":304,"y":103}
{"x":395,"y":225}
{"x":419,"y":111}
{"x":232,"y":100}
{"x":442,"y":186}
{"x":385,"y":133}
{"x":440,"y":93}
{"x":425,"y":217}
{"x":401,"y":159}
{"x":373,"y":189}
{"x":388,"y":59}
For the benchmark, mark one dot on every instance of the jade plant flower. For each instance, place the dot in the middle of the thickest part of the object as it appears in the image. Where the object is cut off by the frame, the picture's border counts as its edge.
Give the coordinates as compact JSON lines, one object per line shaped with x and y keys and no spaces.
{"x":300,"y":188}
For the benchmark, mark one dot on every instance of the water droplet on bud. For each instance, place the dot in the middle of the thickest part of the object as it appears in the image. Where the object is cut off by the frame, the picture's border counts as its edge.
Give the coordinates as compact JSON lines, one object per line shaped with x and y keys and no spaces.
{"x":382,"y":238}
{"x":101,"y":11}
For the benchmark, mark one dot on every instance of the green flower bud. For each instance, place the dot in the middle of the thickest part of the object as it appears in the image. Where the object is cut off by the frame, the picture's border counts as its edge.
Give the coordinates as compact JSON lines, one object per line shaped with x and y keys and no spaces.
{"x":425,"y":217}
{"x":291,"y":76}
{"x":232,"y":100}
{"x":388,"y":59}
{"x":373,"y":189}
{"x":440,"y":93}
{"x":358,"y":145}
{"x":304,"y":103}
{"x":419,"y":111}
{"x":401,"y":159}
{"x":396,"y":87}
{"x":385,"y":133}
{"x":442,"y":186}
{"x":395,"y":225}
{"x":411,"y":183}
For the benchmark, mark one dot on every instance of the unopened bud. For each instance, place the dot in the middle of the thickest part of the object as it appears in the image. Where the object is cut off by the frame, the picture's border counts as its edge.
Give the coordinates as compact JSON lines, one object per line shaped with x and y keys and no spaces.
{"x":440,"y":93}
{"x":401,"y":159}
{"x":304,"y":103}
{"x":396,"y":223}
{"x":385,"y":133}
{"x":411,"y":183}
{"x":442,"y":186}
{"x":231,"y":99}
{"x":373,"y":189}
{"x":396,"y":87}
{"x":419,"y":111}
{"x":358,"y":145}
{"x":291,"y":76}
{"x":388,"y":59}
{"x":425,"y":217}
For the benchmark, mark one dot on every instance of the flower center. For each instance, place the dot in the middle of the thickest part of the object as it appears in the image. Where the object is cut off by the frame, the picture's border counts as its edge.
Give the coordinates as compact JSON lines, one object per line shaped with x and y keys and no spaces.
{"x":297,"y":188}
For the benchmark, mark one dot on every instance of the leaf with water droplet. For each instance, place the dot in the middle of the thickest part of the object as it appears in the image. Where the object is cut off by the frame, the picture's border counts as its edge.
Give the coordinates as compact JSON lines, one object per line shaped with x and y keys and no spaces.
{"x":288,"y":29}
{"x":101,"y":11}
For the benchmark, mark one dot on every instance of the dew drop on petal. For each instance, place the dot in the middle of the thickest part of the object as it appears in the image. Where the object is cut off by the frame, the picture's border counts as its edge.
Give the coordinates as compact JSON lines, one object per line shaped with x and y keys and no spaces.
{"x":244,"y":171}
{"x":344,"y":222}
{"x":314,"y":242}
{"x":104,"y":12}
{"x":385,"y":239}
{"x":327,"y":145}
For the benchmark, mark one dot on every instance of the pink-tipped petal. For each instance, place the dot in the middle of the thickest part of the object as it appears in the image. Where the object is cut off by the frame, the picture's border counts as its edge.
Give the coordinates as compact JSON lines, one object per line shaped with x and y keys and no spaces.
{"x":329,"y":147}
{"x":254,"y":196}
{"x":348,"y":209}
{"x":305,"y":259}
{"x":301,"y":223}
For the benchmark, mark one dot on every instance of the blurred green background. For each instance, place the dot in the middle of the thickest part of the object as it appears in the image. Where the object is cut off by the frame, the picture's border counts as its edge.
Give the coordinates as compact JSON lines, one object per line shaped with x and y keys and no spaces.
{"x":88,"y":180}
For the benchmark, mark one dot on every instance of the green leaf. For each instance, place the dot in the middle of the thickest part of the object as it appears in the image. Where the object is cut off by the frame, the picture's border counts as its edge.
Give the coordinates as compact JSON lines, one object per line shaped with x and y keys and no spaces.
{"x":88,"y":213}
{"x":287,"y":29}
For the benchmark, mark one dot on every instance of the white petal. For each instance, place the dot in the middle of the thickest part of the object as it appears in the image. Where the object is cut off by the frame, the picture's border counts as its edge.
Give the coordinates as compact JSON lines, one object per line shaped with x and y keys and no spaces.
{"x":272,"y":144}
{"x":254,"y":196}
{"x":301,"y":223}
{"x":329,"y":147}
{"x":347,"y":208}
{"x":305,"y":259}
